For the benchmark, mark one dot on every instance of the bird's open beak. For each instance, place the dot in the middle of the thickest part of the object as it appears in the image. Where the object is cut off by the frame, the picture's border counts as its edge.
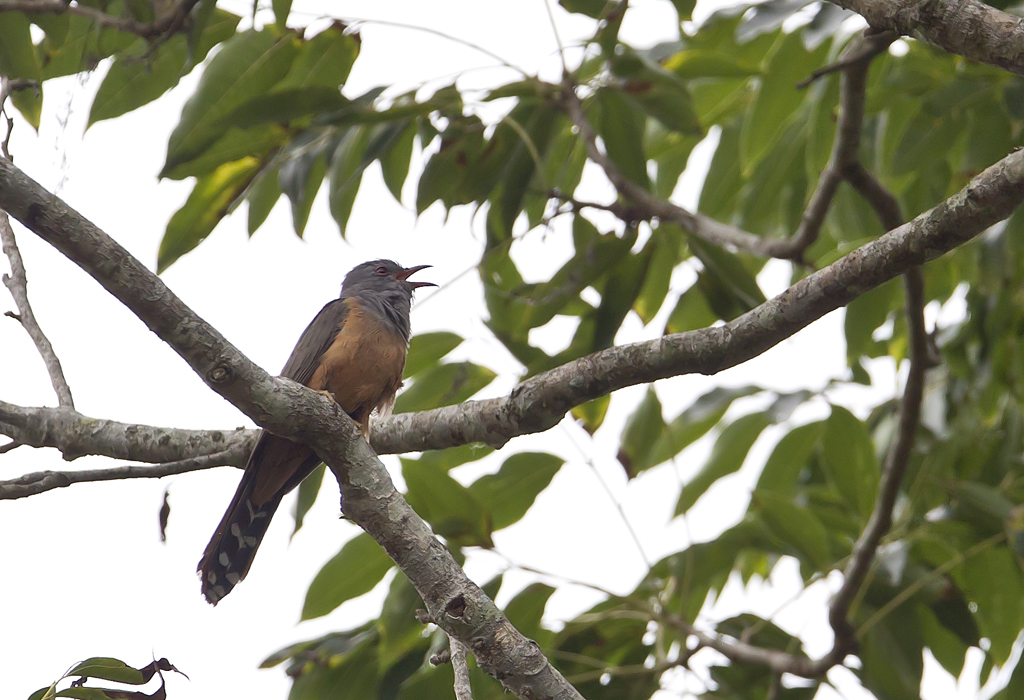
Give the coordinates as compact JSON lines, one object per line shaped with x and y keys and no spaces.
{"x":406,"y":273}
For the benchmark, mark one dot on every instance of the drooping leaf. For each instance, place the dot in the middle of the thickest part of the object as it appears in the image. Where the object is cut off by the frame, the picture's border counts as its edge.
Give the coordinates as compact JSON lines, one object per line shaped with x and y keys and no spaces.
{"x":850,"y":461}
{"x":795,"y":526}
{"x":789,"y":458}
{"x":643,"y":428}
{"x":247,"y":65}
{"x":444,"y":385}
{"x":353,"y":571}
{"x":508,"y":494}
{"x":621,"y":127}
{"x":727,"y":457}
{"x":136,"y":78}
{"x":525,"y":610}
{"x":209,"y":201}
{"x":453,"y":511}
{"x":18,"y":59}
{"x":399,"y":629}
{"x":426,"y":349}
{"x":308,"y":490}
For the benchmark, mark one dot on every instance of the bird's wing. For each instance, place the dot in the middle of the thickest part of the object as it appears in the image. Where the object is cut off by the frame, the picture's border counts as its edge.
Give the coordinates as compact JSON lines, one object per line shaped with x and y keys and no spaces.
{"x":314,"y":341}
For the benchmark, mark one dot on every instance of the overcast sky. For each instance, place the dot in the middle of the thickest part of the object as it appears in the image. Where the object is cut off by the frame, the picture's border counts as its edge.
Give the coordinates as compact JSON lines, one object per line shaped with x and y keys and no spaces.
{"x":84,"y":571}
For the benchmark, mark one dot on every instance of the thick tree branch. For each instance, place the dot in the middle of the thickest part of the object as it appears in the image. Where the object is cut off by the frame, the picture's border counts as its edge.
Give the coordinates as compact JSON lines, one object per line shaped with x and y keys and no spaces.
{"x":17,"y":285}
{"x":290,"y":410}
{"x":968,"y":28}
{"x":38,"y":482}
{"x":168,"y":23}
{"x":76,"y":435}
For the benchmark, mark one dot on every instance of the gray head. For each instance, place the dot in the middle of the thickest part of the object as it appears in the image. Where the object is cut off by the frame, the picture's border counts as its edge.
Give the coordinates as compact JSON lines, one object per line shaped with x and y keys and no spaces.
{"x":384,"y":289}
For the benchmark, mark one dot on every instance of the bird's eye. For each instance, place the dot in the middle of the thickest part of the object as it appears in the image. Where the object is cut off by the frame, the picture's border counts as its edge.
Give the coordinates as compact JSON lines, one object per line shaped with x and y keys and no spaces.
{"x":381,"y":270}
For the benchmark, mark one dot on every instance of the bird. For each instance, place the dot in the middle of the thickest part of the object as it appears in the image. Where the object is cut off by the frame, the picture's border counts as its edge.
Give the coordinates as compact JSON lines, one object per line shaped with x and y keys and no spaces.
{"x":353,"y":350}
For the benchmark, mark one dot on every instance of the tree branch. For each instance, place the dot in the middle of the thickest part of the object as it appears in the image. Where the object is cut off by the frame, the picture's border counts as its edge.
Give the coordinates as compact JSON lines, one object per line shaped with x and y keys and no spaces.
{"x":463,"y":688}
{"x":654,"y":207}
{"x":17,"y":285}
{"x":167,"y":23}
{"x":38,"y":482}
{"x":968,"y":28}
{"x":291,"y":410}
{"x":76,"y":435}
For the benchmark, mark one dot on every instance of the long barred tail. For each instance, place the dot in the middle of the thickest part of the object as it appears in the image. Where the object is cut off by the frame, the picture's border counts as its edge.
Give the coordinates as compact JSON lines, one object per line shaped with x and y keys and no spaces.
{"x":230,"y":552}
{"x":275,"y":467}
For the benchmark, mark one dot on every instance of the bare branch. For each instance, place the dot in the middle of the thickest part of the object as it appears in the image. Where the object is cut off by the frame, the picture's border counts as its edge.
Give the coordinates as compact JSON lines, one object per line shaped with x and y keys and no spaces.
{"x":17,"y":285}
{"x":38,"y":482}
{"x":168,"y":23}
{"x":856,"y":60}
{"x":463,"y":689}
{"x":968,"y":28}
{"x":873,"y":43}
{"x":11,"y":446}
{"x":76,"y":435}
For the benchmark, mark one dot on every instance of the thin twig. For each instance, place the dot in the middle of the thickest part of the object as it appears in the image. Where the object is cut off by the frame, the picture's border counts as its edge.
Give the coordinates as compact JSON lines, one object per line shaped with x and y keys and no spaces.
{"x":856,"y":61}
{"x":17,"y":285}
{"x":11,"y":446}
{"x":873,"y":43}
{"x":463,"y":689}
{"x":38,"y":482}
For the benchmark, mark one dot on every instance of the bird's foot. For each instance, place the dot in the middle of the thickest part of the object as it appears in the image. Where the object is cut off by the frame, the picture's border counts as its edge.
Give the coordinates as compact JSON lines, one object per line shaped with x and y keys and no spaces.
{"x":328,"y":395}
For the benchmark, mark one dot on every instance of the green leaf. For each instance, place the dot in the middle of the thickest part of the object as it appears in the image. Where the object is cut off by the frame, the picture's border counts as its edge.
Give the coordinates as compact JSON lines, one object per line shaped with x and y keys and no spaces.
{"x":693,"y":423}
{"x":591,"y":414}
{"x":590,"y":8}
{"x":263,"y":194}
{"x":728,"y":275}
{"x":347,"y":166}
{"x":247,"y":65}
{"x":621,"y":127}
{"x":684,"y":8}
{"x":891,"y":654}
{"x":395,"y":163}
{"x":301,"y":172}
{"x":18,"y":59}
{"x":136,"y":78}
{"x":508,"y":494}
{"x":444,"y":385}
{"x":850,"y":461}
{"x":652,"y":295}
{"x":109,"y":670}
{"x":258,"y":142}
{"x":992,"y":581}
{"x":451,"y":457}
{"x":727,"y":456}
{"x":660,"y":93}
{"x":209,"y":201}
{"x":355,"y":570}
{"x":281,"y":10}
{"x":795,"y":526}
{"x":701,"y":63}
{"x":453,"y":511}
{"x":947,"y":648}
{"x":443,"y":175}
{"x":866,"y":313}
{"x":777,"y":99}
{"x":284,"y":105}
{"x":426,"y":349}
{"x":691,"y":312}
{"x":724,"y":179}
{"x":526,"y":609}
{"x":789,"y":458}
{"x":643,"y":428}
{"x":308,"y":490}
{"x":399,"y":629}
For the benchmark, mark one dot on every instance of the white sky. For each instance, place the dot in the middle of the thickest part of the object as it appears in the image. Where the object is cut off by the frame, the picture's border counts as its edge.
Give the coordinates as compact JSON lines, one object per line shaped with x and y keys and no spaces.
{"x":85,"y":572}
